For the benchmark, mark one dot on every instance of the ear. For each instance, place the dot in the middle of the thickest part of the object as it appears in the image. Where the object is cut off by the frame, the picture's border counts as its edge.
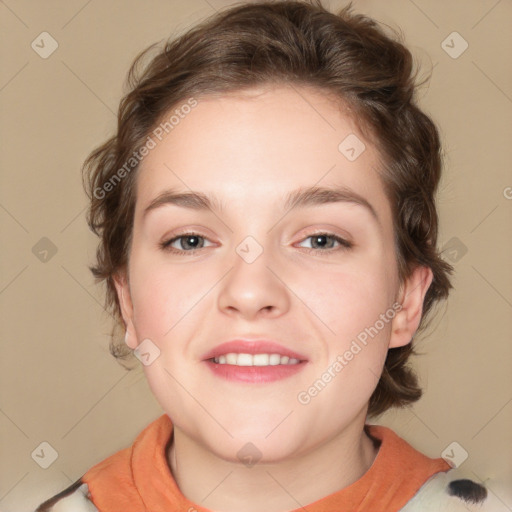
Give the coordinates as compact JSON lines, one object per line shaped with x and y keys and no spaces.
{"x":411,"y":296}
{"x":123,"y":294}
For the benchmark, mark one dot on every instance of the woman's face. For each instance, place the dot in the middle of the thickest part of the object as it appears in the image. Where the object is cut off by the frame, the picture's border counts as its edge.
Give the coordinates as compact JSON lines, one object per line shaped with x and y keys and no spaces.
{"x":316,"y":279}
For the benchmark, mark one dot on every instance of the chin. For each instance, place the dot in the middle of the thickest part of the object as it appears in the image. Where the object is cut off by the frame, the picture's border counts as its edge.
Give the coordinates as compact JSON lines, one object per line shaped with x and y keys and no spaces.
{"x":254,"y":452}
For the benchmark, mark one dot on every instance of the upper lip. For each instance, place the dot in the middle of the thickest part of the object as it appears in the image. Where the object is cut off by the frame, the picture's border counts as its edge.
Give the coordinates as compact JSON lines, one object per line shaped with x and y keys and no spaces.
{"x":261,"y":346}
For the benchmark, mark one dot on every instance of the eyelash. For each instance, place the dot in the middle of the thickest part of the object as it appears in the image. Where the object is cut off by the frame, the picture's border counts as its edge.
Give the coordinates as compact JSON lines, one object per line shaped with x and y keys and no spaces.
{"x":344,"y":244}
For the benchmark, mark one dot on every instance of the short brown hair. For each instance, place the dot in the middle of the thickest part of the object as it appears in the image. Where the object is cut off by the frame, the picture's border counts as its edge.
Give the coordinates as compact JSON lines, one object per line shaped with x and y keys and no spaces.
{"x":345,"y":55}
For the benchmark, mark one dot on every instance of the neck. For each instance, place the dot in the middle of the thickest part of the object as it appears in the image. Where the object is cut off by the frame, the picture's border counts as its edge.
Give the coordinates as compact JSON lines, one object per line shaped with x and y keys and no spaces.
{"x":225,"y":486}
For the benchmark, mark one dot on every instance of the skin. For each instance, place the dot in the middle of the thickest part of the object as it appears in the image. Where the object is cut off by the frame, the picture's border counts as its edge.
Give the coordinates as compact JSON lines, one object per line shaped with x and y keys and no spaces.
{"x":250,"y":150}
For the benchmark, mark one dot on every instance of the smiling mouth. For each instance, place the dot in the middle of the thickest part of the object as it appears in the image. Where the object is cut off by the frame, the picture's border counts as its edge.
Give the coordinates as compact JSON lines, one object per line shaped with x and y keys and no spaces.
{"x":236,"y":359}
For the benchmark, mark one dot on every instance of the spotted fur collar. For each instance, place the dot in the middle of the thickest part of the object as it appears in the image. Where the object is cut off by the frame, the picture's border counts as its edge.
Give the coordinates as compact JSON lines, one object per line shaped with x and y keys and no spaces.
{"x":444,"y":491}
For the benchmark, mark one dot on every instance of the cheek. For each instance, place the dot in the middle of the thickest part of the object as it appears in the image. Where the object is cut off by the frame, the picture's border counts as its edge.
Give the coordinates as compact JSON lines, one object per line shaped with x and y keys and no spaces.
{"x":351,"y":305}
{"x":348,"y":300}
{"x":153,"y":303}
{"x":161,"y":295}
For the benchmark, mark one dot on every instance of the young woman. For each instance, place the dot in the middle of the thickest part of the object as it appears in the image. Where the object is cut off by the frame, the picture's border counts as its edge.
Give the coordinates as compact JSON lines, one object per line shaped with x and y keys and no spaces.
{"x":268,"y":229}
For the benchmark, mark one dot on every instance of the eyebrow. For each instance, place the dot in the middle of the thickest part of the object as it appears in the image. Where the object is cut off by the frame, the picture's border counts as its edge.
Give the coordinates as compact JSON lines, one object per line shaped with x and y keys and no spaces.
{"x":300,"y":198}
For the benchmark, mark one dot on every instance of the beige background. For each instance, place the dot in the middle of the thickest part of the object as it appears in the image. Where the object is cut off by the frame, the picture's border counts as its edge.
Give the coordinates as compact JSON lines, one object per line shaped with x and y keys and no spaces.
{"x":59,"y":384}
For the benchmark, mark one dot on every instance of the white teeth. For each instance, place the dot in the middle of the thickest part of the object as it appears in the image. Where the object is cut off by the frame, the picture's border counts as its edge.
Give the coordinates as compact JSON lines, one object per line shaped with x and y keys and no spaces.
{"x":260,"y":359}
{"x":243,"y":360}
{"x":274,"y":359}
{"x":230,"y":358}
{"x":254,"y":360}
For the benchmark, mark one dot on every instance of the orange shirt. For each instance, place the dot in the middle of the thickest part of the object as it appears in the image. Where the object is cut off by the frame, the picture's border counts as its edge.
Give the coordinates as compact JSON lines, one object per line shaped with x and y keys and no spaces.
{"x":138,"y":478}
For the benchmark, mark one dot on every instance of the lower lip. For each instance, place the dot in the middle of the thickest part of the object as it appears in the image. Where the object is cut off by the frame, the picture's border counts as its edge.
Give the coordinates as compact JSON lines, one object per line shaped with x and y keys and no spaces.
{"x":255,"y":374}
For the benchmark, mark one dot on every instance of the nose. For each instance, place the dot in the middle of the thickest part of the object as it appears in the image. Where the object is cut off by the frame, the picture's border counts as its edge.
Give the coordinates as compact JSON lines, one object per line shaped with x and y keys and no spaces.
{"x":253,"y":289}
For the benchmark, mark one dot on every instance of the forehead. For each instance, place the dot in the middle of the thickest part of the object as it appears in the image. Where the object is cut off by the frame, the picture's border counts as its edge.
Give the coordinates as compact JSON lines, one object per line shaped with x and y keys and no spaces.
{"x":249,"y":150}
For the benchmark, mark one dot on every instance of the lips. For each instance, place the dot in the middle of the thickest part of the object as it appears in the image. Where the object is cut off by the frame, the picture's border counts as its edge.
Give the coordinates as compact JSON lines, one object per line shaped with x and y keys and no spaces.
{"x":241,"y":346}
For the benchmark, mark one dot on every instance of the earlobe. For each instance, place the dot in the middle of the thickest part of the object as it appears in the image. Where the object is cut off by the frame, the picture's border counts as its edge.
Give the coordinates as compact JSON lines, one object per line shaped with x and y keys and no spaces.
{"x":125,"y":302}
{"x":412,"y":295}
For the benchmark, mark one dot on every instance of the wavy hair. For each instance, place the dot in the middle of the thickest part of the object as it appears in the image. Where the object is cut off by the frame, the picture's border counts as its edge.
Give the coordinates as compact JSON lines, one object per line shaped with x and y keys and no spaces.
{"x":345,"y":55}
